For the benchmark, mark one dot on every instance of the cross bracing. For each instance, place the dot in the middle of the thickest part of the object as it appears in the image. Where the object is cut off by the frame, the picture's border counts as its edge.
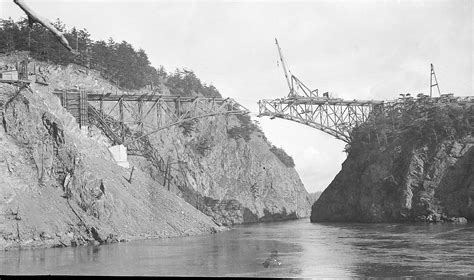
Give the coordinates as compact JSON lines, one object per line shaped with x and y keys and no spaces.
{"x":126,"y":118}
{"x":336,"y":117}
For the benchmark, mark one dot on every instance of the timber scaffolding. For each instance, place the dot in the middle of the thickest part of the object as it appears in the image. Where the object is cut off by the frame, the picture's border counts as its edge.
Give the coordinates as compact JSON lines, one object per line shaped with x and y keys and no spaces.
{"x":24,"y":72}
{"x":126,"y":118}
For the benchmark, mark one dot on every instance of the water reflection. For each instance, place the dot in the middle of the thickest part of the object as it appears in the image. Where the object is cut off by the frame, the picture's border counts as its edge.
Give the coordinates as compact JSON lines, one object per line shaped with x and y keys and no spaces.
{"x":303,"y":250}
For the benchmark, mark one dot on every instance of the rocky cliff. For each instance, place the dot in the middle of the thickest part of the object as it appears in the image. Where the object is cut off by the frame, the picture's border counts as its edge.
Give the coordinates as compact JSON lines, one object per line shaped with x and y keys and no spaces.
{"x":222,"y":165}
{"x":234,"y":179}
{"x":414,"y":161}
{"x":60,"y":187}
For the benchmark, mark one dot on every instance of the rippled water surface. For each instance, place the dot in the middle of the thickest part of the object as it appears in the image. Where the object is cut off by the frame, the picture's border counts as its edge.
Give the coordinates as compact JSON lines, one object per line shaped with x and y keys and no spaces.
{"x":304,"y":250}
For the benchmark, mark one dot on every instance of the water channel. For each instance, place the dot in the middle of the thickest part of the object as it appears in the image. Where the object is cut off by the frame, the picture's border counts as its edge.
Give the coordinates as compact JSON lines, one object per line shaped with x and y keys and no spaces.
{"x":303,"y":249}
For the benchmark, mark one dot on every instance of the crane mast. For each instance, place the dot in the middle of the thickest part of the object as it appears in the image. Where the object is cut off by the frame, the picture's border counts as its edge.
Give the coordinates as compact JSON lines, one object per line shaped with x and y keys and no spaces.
{"x":285,"y":71}
{"x":297,"y":88}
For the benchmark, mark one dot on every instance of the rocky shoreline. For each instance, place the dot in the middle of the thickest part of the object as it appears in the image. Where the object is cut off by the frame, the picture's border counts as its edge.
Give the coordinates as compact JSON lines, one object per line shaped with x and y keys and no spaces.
{"x":412,"y":164}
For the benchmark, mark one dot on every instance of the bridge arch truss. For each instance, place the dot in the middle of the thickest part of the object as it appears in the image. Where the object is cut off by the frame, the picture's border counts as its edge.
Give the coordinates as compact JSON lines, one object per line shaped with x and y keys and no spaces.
{"x":336,"y":117}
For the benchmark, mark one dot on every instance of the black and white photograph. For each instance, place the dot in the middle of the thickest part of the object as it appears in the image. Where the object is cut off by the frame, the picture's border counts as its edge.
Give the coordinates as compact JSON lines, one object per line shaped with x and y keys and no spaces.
{"x":324,"y":139}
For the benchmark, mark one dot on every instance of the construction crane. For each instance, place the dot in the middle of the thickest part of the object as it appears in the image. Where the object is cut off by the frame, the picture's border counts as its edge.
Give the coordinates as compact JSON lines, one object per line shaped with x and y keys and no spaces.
{"x":433,"y":75}
{"x":283,"y":64}
{"x":297,"y":88}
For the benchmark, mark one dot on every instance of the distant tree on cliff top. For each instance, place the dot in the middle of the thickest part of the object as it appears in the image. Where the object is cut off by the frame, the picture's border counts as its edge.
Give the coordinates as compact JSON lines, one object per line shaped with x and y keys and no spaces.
{"x":286,"y":159}
{"x":120,"y":63}
{"x":186,"y":83}
{"x":420,"y":122}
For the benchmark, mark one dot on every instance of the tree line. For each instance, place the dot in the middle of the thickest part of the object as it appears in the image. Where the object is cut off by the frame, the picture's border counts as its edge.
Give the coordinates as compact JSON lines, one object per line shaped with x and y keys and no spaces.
{"x":418,"y":122}
{"x":117,"y":62}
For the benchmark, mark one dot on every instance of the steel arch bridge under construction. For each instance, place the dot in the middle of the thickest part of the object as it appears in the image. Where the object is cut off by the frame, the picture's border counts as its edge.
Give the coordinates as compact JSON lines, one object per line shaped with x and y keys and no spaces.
{"x":336,"y":117}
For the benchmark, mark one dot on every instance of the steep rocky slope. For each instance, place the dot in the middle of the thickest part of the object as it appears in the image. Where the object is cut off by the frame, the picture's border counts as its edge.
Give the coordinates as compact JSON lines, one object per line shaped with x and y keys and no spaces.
{"x":412,"y":162}
{"x":233,"y":178}
{"x":60,"y":187}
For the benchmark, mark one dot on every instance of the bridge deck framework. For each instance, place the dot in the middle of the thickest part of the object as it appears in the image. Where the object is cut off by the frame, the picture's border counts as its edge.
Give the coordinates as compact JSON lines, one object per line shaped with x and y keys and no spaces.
{"x":336,"y":117}
{"x":339,"y":117}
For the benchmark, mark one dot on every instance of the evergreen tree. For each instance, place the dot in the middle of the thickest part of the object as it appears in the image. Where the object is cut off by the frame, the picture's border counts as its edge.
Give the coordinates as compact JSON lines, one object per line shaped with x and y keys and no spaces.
{"x":118,"y":62}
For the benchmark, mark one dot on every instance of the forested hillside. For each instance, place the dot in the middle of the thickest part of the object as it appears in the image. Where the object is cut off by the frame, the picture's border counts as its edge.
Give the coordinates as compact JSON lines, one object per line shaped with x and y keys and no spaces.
{"x":118,"y":62}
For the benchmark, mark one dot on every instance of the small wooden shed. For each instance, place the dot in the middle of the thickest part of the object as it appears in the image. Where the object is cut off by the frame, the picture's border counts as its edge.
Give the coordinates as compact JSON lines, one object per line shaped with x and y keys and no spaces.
{"x":10,"y":74}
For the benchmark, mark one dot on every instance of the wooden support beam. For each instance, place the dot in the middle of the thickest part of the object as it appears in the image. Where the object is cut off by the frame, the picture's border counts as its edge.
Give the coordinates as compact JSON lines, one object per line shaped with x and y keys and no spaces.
{"x":64,"y":99}
{"x":131,"y":175}
{"x":150,"y":109}
{"x":158,"y":115}
{"x":83,"y":110}
{"x":140,"y":116}
{"x":151,"y":98}
{"x":122,"y":125}
{"x":177,"y":107}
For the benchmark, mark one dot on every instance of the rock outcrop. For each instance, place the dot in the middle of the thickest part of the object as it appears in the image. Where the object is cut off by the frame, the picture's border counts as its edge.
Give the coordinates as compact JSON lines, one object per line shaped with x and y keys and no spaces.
{"x":233,"y":179}
{"x":412,"y":162}
{"x":222,"y":165}
{"x":60,"y":187}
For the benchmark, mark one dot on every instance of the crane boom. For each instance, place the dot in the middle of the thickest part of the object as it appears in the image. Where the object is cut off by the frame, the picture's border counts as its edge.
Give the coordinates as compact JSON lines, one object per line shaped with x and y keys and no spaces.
{"x":285,"y":71}
{"x":297,"y":88}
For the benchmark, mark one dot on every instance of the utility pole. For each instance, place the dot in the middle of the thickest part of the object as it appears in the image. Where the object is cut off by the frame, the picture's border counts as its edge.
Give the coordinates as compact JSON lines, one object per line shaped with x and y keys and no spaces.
{"x":431,"y":81}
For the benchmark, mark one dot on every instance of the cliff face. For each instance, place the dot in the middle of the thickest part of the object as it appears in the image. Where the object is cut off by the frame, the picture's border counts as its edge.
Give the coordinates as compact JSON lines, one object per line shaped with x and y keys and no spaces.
{"x":233,"y":179}
{"x":61,"y":188}
{"x":412,"y":163}
{"x":231,"y":176}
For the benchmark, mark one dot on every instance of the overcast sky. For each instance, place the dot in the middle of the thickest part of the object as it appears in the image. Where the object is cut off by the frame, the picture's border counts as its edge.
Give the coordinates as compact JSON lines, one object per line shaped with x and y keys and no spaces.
{"x":355,"y":49}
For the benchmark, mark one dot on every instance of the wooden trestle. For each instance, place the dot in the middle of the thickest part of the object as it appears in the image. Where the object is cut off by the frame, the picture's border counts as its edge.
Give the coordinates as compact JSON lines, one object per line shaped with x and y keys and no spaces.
{"x":125,"y":117}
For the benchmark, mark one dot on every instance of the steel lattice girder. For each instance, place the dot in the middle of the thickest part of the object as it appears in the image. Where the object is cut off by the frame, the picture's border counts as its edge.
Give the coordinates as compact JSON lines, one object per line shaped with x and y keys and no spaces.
{"x":336,"y":117}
